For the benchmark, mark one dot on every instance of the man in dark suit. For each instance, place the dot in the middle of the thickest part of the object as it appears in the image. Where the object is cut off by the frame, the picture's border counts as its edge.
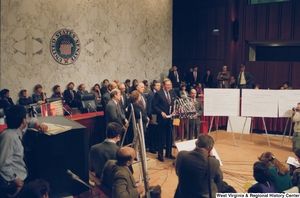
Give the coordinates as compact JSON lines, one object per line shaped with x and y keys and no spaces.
{"x":208,"y":79}
{"x":152,"y":127}
{"x":107,"y":150}
{"x":81,"y":91}
{"x":174,"y":77}
{"x":71,"y":97}
{"x":106,"y":97}
{"x":117,"y":180}
{"x":244,"y":79}
{"x":123,"y":100}
{"x":113,"y":109}
{"x":194,"y":123}
{"x":6,"y":100}
{"x":196,"y":168}
{"x":162,"y":105}
{"x":195,"y":77}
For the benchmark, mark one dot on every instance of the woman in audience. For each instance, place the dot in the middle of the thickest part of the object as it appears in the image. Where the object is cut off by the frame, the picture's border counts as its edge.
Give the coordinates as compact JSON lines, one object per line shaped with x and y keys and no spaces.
{"x":57,"y":92}
{"x":6,"y":100}
{"x":295,"y":171}
{"x":262,"y":175}
{"x":199,"y":90}
{"x":39,"y":96}
{"x":183,"y":93}
{"x":135,"y":98}
{"x":134,"y":84}
{"x":280,"y":173}
{"x":24,"y":98}
{"x":97,"y":93}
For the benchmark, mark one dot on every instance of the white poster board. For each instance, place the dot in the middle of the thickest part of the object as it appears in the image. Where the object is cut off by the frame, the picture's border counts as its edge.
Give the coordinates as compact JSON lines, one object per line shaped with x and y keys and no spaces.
{"x":221,"y":102}
{"x":287,"y":100}
{"x":237,"y":124}
{"x":190,"y":145}
{"x":259,"y":103}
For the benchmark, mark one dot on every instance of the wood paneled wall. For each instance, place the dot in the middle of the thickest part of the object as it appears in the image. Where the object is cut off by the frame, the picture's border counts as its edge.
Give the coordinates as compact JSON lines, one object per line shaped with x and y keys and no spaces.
{"x":195,"y":45}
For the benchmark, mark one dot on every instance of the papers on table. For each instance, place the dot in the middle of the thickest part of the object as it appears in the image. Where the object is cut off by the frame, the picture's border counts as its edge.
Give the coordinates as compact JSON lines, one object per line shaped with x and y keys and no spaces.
{"x":190,"y":145}
{"x":54,"y":129}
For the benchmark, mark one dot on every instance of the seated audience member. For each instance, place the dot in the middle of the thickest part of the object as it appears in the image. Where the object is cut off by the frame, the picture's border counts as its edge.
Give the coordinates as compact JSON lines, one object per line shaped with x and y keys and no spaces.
{"x":13,"y":170}
{"x":257,"y":86}
{"x":107,"y":150}
{"x":24,"y":98}
{"x":71,"y":97}
{"x":225,"y":188}
{"x":296,"y":134}
{"x":191,"y":168}
{"x":262,"y":175}
{"x":134,"y":84}
{"x":286,"y":85}
{"x":199,"y":90}
{"x":57,"y":92}
{"x":105,"y":84}
{"x":280,"y":173}
{"x":97,"y":93}
{"x":81,"y":91}
{"x":38,"y":188}
{"x":183,"y":93}
{"x":39,"y":96}
{"x":6,"y":101}
{"x":117,"y":180}
{"x":232,"y":82}
{"x":295,"y":172}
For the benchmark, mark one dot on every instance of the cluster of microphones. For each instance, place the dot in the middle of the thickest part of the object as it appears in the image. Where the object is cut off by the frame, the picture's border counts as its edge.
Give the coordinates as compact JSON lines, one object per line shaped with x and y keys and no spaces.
{"x":184,"y":107}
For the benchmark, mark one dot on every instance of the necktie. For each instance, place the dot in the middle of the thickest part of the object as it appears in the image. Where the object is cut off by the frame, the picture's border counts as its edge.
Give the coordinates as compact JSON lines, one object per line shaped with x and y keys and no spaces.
{"x":168,"y":98}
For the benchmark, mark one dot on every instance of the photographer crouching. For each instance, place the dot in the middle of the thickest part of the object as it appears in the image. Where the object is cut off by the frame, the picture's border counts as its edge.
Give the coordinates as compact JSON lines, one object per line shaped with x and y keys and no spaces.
{"x":296,"y":119}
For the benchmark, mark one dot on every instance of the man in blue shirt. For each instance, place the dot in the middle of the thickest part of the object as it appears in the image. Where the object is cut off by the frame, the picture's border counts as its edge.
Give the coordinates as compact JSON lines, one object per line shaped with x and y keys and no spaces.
{"x":13,"y":170}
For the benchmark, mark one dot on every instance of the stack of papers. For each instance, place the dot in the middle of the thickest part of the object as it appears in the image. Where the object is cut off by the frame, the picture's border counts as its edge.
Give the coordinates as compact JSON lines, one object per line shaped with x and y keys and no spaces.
{"x":293,"y":161}
{"x":54,"y":129}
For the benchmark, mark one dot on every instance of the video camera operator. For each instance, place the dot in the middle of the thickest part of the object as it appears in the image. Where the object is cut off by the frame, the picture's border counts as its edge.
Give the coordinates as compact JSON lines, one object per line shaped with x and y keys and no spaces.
{"x":296,"y":119}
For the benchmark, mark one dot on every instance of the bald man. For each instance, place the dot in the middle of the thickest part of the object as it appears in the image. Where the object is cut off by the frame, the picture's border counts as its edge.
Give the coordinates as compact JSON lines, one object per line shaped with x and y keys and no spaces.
{"x":117,"y":180}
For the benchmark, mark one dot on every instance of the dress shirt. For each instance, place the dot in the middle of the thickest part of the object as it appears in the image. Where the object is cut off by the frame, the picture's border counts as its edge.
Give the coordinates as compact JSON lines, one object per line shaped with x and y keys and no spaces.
{"x":242,"y":78}
{"x":12,"y":165}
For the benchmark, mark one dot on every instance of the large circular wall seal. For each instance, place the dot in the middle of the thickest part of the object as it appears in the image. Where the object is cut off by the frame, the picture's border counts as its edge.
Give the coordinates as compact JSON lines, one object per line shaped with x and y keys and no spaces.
{"x":65,"y":46}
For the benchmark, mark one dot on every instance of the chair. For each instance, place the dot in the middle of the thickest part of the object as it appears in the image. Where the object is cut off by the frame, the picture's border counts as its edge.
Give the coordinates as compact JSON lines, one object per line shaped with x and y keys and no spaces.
{"x":36,"y":110}
{"x":88,"y":103}
{"x":49,"y":100}
{"x":2,"y":116}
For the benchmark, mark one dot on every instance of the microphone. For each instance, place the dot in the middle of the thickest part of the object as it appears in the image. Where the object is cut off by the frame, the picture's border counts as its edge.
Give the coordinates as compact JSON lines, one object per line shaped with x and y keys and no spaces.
{"x":93,"y":107}
{"x":67,"y":111}
{"x":76,"y":178}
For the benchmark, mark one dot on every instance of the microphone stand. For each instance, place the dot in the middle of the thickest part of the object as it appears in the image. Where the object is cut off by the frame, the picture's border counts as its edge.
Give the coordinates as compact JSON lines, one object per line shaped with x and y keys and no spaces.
{"x":93,"y":108}
{"x":67,"y":111}
{"x":76,"y":178}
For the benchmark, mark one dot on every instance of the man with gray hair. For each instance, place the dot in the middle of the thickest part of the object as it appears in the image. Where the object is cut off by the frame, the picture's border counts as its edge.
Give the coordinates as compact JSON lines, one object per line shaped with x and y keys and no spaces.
{"x":199,"y":173}
{"x":113,"y":110}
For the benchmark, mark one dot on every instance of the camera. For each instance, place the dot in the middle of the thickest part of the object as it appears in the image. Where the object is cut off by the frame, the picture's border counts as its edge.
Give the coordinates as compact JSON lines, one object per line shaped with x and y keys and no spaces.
{"x":295,"y":109}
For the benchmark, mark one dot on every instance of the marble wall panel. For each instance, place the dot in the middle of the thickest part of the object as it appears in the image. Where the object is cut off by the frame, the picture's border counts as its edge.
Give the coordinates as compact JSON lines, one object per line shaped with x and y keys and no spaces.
{"x":120,"y":39}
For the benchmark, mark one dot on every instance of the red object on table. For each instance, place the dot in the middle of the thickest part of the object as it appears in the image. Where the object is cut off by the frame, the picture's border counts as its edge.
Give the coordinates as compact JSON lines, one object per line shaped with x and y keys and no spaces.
{"x":2,"y":127}
{"x":203,"y":127}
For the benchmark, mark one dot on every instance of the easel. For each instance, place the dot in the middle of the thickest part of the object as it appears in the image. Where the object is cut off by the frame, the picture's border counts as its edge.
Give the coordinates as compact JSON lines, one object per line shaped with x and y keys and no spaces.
{"x":217,"y":128}
{"x":290,"y":132}
{"x":263,"y":120}
{"x":138,"y":144}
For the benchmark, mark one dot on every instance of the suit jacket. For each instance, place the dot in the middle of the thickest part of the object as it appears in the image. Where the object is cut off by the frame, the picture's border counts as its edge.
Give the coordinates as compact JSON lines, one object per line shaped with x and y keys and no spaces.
{"x":207,"y":82}
{"x":100,"y":154}
{"x":5,"y":104}
{"x":68,"y":96}
{"x":124,"y":103}
{"x":173,"y":79}
{"x":223,"y":77}
{"x":79,"y":93}
{"x":248,"y":77}
{"x":150,"y":100}
{"x":118,"y":180}
{"x":113,"y":114}
{"x":199,"y":110}
{"x":139,"y":109}
{"x":105,"y":99}
{"x":160,"y":103}
{"x":192,"y":80}
{"x":191,"y":168}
